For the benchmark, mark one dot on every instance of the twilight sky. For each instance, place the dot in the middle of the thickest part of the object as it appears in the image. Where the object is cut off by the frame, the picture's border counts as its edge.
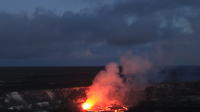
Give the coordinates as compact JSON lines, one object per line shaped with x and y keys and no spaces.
{"x":95,"y":32}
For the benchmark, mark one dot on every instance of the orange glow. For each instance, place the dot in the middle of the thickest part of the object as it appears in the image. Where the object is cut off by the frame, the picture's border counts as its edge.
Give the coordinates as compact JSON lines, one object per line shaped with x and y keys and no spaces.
{"x":87,"y":105}
{"x":106,"y":92}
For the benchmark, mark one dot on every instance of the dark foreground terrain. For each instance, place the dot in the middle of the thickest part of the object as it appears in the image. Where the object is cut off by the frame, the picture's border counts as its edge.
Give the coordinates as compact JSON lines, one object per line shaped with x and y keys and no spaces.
{"x":170,"y":97}
{"x":62,"y":89}
{"x":165,"y":97}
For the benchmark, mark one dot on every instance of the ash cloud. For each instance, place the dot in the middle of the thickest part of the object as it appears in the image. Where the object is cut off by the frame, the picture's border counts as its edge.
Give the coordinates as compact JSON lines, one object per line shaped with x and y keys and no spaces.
{"x":89,"y":37}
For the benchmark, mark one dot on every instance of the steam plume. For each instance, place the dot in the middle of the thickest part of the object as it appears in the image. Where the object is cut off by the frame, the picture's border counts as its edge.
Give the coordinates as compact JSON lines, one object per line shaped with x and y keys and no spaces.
{"x":133,"y":65}
{"x":111,"y":87}
{"x":107,"y":88}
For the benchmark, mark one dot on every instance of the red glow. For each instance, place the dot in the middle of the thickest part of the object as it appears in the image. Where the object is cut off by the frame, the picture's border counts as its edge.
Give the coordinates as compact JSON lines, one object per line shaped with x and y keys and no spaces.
{"x":107,"y":90}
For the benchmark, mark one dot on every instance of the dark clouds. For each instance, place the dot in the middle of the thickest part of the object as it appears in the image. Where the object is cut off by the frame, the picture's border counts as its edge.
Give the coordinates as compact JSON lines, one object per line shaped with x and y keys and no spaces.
{"x":53,"y":5}
{"x":103,"y":34}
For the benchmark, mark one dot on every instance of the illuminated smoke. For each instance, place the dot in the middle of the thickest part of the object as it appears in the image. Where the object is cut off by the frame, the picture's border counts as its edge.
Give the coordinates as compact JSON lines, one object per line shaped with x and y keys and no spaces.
{"x":111,"y":87}
{"x":107,"y":88}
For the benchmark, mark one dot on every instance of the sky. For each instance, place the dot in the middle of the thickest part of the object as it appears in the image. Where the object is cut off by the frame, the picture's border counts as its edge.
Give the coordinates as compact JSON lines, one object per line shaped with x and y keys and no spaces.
{"x":96,"y":32}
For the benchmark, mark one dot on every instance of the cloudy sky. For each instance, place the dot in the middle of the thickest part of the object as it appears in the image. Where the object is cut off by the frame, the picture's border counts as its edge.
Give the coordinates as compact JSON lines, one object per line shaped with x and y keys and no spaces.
{"x":95,"y":32}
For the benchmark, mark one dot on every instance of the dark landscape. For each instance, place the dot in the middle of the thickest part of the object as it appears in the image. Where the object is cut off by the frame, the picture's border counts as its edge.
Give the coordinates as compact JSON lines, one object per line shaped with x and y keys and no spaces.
{"x":99,"y":56}
{"x":55,"y":89}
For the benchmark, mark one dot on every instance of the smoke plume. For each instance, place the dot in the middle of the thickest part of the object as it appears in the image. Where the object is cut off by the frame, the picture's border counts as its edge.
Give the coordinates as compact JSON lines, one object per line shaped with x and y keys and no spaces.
{"x":135,"y":70}
{"x":134,"y":65}
{"x":112,"y":87}
{"x":107,"y":88}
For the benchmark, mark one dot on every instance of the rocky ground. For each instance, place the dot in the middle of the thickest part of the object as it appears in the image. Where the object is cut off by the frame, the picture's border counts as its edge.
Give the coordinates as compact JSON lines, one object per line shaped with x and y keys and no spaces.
{"x":168,"y":97}
{"x":164,"y":97}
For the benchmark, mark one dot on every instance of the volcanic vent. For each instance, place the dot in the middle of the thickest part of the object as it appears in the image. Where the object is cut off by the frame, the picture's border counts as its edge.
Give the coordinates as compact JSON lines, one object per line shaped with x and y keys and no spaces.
{"x":107,"y":93}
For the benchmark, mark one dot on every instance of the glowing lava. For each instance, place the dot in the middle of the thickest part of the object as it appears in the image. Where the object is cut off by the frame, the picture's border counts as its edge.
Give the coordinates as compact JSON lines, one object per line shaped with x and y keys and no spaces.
{"x":87,"y":105}
{"x":107,"y":92}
